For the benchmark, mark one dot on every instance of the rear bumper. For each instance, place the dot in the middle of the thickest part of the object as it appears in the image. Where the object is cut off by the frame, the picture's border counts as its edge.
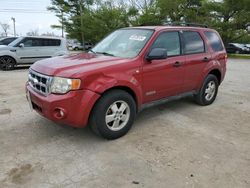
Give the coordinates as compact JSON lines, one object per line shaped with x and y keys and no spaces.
{"x":75,"y":105}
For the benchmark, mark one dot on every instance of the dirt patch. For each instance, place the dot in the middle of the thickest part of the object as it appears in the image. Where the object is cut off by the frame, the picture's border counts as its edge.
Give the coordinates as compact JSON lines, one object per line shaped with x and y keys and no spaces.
{"x":21,"y":174}
{"x":5,"y":111}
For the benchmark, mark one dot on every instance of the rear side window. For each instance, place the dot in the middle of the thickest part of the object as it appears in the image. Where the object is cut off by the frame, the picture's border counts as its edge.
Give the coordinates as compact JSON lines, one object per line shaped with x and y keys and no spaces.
{"x":193,"y":43}
{"x":214,"y":41}
{"x":51,"y":42}
{"x":170,"y":41}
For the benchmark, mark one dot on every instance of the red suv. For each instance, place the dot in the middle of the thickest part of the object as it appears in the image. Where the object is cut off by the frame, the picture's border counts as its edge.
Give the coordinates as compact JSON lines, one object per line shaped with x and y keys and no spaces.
{"x":129,"y":70}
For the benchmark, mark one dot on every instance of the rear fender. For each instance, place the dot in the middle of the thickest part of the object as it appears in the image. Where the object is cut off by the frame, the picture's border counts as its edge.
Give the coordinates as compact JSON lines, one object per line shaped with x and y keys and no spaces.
{"x":214,"y":65}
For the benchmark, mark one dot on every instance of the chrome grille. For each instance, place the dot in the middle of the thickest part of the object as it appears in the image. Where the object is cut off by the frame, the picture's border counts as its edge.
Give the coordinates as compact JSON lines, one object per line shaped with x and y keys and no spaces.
{"x":39,"y":82}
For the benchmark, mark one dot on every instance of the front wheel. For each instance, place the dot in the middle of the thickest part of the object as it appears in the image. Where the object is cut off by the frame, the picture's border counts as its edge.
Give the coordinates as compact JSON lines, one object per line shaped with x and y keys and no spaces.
{"x":208,"y":91}
{"x":113,"y":115}
{"x":7,"y":63}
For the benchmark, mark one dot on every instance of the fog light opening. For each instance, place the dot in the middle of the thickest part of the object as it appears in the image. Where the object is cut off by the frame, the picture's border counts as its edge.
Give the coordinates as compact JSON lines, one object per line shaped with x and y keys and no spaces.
{"x":59,"y":113}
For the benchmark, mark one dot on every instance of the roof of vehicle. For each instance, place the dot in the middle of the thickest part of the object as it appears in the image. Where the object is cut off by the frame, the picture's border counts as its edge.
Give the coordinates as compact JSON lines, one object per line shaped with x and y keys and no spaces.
{"x":158,"y":28}
{"x":45,"y":37}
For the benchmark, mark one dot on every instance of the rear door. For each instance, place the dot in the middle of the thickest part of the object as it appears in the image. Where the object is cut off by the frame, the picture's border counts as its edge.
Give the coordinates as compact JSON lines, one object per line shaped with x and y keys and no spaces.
{"x":164,"y":78}
{"x":50,"y":47}
{"x":197,"y":57}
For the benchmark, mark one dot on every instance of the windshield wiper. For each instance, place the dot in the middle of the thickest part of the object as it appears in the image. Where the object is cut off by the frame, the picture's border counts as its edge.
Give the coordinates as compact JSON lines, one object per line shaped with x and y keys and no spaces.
{"x":106,"y":53}
{"x":90,"y":50}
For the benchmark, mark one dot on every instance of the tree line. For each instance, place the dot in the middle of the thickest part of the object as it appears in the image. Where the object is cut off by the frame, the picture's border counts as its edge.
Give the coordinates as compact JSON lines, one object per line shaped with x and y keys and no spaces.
{"x":93,"y":19}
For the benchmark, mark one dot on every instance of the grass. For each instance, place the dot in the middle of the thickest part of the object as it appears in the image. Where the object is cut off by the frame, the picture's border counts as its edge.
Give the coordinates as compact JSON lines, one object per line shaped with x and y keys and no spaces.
{"x":239,"y":56}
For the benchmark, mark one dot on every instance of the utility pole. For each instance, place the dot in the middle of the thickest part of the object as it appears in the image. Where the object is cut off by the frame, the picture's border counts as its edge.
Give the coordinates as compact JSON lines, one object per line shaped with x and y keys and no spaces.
{"x":81,"y":14}
{"x":14,"y":23}
{"x":62,"y":25}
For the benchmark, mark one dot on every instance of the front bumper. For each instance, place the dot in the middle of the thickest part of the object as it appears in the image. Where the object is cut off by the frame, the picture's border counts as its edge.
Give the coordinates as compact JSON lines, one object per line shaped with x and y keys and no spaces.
{"x":71,"y":109}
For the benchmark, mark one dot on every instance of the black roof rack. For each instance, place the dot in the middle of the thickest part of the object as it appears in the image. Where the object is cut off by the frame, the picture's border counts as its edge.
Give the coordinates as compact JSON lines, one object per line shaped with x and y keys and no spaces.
{"x":185,"y":24}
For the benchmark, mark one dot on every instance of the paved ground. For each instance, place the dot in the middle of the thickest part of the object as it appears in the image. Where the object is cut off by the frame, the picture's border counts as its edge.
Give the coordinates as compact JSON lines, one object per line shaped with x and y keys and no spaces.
{"x":178,"y":144}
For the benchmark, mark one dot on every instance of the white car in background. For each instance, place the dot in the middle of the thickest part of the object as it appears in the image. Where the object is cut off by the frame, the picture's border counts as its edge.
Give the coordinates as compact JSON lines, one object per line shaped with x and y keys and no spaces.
{"x":79,"y":46}
{"x":26,"y":50}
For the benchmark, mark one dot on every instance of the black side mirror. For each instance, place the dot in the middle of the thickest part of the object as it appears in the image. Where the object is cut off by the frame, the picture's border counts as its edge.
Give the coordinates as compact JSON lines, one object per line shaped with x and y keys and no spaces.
{"x":157,"y":53}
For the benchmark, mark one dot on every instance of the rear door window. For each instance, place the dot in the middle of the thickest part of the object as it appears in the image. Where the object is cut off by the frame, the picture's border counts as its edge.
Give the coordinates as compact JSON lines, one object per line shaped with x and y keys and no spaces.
{"x":193,"y":43}
{"x":51,"y":42}
{"x":214,"y":41}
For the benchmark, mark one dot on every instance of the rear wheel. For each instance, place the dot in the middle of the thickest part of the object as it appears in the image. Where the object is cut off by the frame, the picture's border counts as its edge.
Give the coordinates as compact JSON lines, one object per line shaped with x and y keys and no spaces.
{"x":7,"y":63}
{"x":208,"y":91}
{"x":113,"y":115}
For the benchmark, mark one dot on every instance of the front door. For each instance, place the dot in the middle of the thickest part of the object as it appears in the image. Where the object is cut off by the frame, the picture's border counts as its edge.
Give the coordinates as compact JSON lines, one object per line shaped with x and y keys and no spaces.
{"x":30,"y":52}
{"x":164,"y":78}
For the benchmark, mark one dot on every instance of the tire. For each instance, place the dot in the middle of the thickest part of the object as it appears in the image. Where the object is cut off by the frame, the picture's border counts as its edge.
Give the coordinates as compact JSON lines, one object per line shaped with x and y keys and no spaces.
{"x":208,"y":92}
{"x":76,"y":48}
{"x":7,"y":63}
{"x":113,"y":115}
{"x":237,"y":52}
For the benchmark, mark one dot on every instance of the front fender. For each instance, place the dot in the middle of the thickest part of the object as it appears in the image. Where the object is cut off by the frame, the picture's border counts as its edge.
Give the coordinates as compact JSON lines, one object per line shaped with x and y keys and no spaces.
{"x":100,"y":83}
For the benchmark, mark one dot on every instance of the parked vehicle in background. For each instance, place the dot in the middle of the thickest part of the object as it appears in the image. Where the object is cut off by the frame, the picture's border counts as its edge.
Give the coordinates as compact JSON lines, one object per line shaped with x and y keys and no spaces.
{"x":76,"y":46}
{"x":26,"y":50}
{"x":236,"y":48}
{"x":7,"y":40}
{"x":131,"y":69}
{"x":88,"y":45}
{"x":79,"y":46}
{"x":247,"y":45}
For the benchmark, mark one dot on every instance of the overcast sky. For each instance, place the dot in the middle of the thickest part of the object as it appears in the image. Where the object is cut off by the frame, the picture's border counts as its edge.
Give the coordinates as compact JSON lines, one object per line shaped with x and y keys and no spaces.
{"x":29,"y":15}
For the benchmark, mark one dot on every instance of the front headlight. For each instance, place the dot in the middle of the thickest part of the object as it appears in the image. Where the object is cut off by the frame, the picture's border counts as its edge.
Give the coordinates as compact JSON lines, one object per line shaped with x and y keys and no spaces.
{"x":63,"y":85}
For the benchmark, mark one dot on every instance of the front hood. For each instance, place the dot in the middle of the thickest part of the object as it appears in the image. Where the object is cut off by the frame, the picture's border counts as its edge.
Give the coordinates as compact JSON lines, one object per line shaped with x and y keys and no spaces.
{"x":72,"y":65}
{"x":4,"y":47}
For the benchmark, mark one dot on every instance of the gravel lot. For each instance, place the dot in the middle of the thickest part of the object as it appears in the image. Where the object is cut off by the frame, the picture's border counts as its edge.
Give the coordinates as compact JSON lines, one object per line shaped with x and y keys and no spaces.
{"x":178,"y":144}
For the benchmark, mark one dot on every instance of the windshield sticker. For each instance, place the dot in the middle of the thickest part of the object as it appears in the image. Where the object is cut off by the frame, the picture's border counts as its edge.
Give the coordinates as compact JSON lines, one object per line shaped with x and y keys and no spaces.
{"x":137,"y":37}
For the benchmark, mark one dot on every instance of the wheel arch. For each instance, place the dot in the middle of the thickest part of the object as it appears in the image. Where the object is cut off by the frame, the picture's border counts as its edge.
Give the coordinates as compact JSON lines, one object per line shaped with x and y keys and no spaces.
{"x":124,"y":88}
{"x":217,"y":73}
{"x":120,"y":87}
{"x":10,"y":57}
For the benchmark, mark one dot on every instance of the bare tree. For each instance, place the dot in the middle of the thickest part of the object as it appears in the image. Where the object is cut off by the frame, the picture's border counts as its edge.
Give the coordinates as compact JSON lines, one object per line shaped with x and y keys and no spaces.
{"x":5,"y":28}
{"x":51,"y":34}
{"x":33,"y":33}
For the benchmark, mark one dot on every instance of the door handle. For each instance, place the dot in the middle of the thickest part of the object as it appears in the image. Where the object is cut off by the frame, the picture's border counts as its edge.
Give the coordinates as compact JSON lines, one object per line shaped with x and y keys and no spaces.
{"x":177,"y":64}
{"x":205,"y":59}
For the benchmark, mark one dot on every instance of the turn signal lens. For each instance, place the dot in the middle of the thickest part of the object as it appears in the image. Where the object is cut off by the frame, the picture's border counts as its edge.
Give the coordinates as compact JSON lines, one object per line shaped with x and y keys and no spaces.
{"x":76,"y":83}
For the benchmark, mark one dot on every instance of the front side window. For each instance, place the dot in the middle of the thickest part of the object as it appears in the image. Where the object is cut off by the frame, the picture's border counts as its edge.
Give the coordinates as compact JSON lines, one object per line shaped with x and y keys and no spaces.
{"x":193,"y":43}
{"x":169,"y":41}
{"x":214,"y":41}
{"x":32,"y":42}
{"x":125,"y":43}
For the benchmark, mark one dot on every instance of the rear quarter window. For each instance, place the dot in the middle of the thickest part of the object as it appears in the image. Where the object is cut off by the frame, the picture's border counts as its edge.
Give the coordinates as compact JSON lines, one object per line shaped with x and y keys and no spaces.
{"x":214,"y":41}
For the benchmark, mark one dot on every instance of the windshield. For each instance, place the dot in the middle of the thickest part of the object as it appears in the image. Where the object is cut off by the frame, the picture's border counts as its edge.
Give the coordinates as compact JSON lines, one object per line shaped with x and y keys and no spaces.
{"x":16,"y":41}
{"x":125,"y":43}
